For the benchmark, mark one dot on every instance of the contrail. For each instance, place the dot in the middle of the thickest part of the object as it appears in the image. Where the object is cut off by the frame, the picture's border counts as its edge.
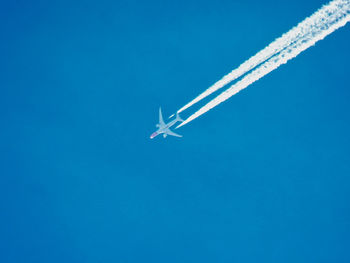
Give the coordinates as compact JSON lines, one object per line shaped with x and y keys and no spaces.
{"x":276,"y":46}
{"x":324,"y":24}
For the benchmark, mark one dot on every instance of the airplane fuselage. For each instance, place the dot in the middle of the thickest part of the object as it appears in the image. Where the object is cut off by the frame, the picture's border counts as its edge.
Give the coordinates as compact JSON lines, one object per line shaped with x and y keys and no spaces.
{"x":162,"y":129}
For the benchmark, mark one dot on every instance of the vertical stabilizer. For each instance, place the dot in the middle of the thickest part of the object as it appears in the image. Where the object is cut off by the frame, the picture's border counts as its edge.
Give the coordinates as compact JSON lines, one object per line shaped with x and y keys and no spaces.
{"x":178,"y":117}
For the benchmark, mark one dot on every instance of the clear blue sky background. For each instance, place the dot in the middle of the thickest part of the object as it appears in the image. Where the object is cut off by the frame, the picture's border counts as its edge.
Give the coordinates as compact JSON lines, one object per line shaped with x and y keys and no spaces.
{"x":264,"y":177}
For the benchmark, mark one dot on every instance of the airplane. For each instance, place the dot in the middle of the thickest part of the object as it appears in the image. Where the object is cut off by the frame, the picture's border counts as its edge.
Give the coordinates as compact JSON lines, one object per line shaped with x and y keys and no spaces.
{"x":163,"y":128}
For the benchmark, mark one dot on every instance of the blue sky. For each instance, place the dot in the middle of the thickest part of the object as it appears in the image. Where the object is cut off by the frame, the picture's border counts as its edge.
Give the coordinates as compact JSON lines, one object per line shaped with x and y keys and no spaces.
{"x":264,"y":177}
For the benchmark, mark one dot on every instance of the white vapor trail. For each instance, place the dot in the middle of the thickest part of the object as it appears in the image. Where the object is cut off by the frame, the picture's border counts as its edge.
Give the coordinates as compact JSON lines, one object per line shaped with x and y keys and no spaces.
{"x":323,"y":24}
{"x":276,"y":46}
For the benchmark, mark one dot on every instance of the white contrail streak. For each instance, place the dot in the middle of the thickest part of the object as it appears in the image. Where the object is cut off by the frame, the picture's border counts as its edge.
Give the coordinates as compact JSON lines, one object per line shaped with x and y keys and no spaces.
{"x":329,"y":25}
{"x":297,"y":32}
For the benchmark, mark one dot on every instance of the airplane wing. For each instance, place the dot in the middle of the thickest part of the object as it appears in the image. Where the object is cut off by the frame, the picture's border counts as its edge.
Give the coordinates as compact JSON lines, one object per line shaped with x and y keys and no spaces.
{"x":161,"y":122}
{"x":169,"y":132}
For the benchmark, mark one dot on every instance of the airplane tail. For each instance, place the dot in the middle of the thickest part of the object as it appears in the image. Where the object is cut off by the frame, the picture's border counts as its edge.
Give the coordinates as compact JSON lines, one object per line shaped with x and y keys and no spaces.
{"x":178,"y":117}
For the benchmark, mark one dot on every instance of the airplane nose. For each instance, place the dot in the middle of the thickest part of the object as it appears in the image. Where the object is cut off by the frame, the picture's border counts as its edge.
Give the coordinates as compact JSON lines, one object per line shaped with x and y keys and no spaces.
{"x":153,"y":135}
